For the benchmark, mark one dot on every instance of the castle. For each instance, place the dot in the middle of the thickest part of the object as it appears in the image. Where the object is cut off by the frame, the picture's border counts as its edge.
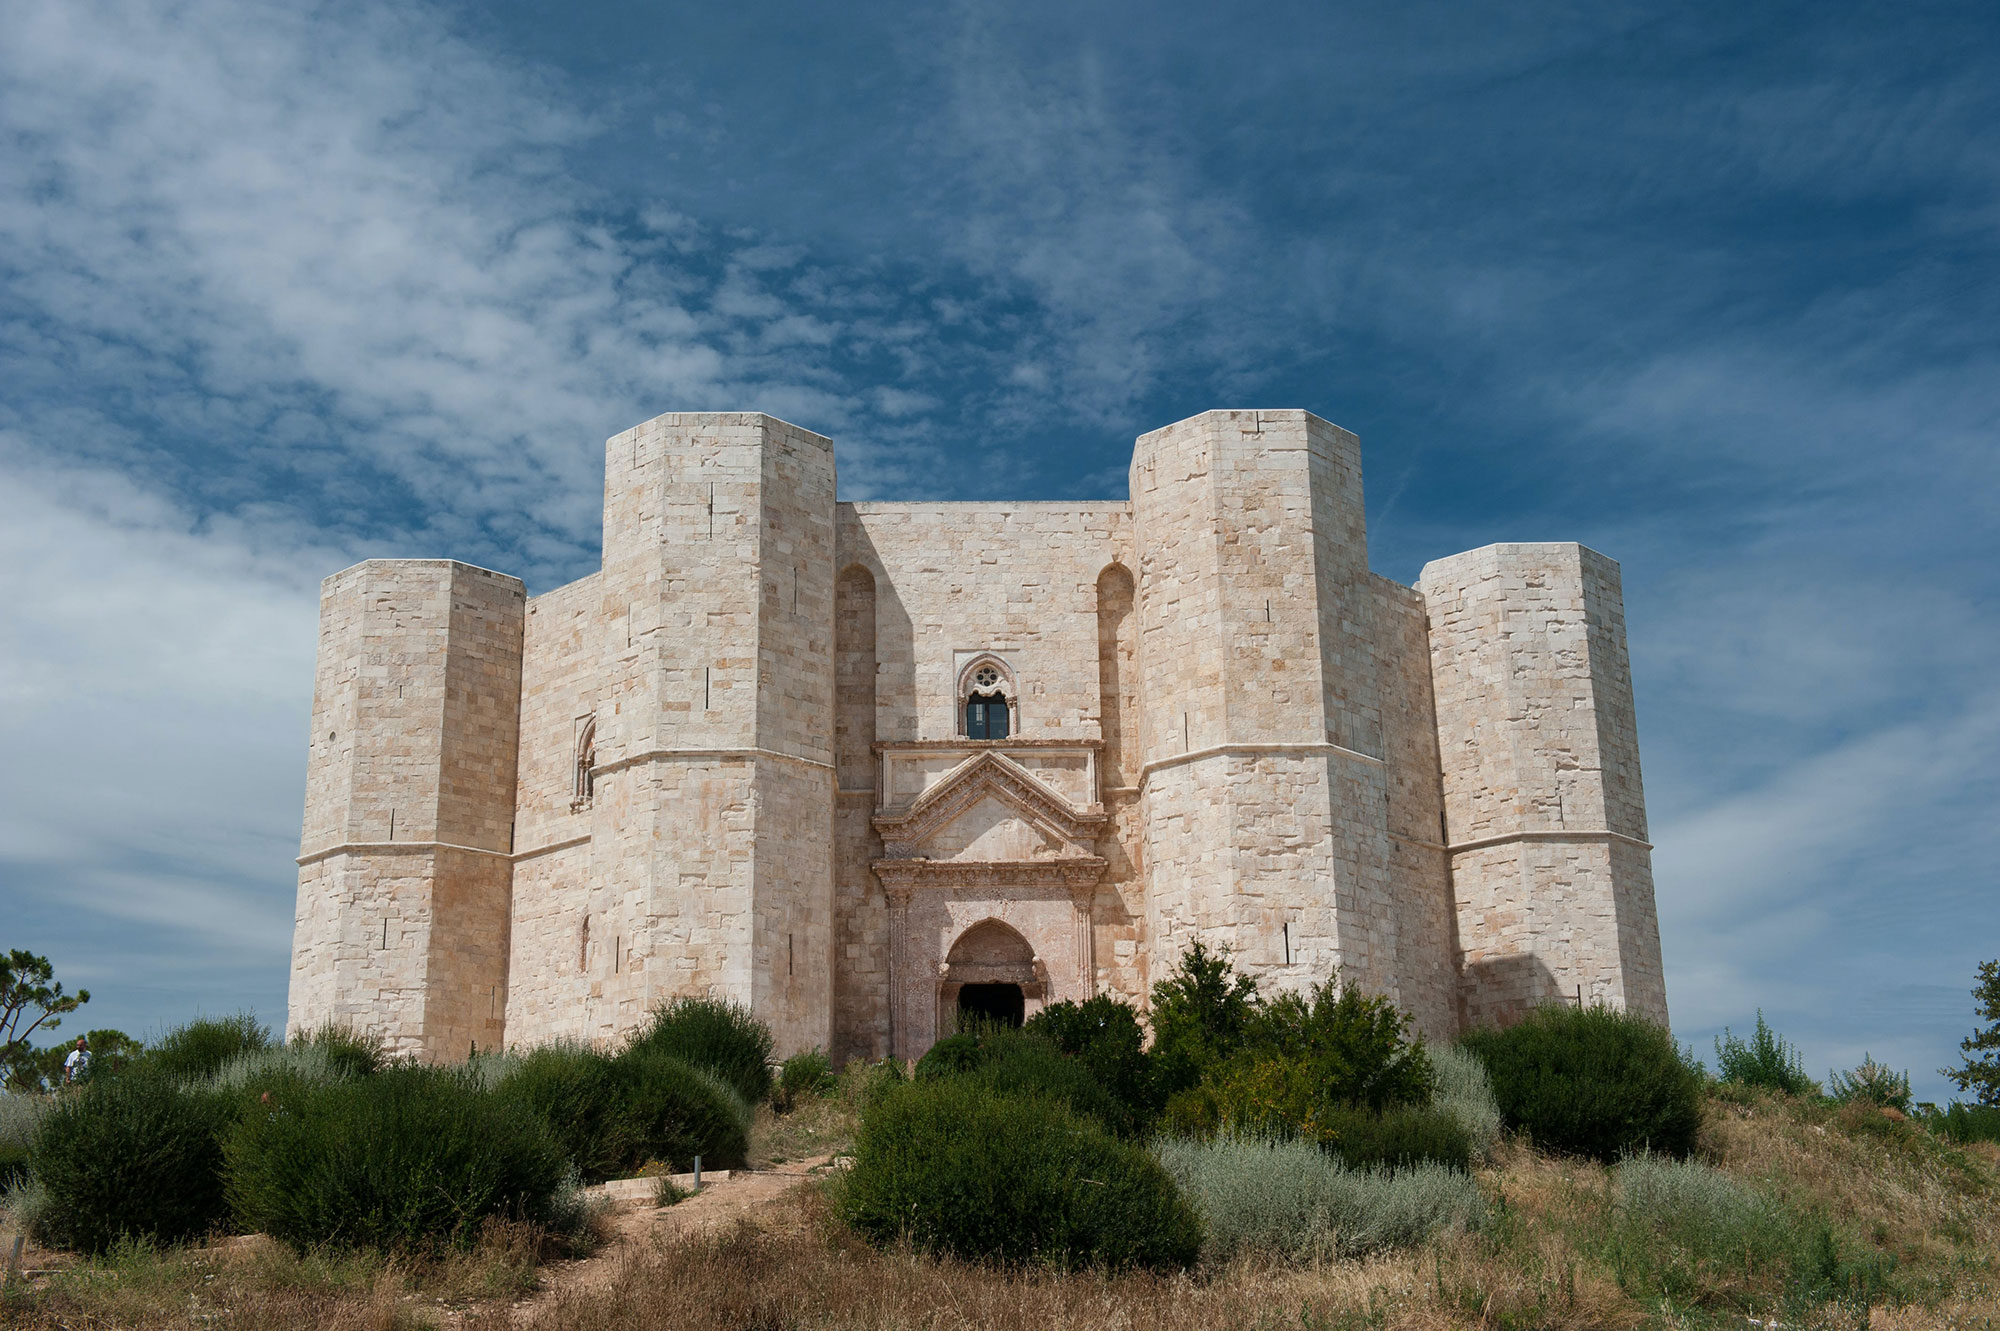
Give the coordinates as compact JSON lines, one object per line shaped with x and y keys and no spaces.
{"x":863,"y":766}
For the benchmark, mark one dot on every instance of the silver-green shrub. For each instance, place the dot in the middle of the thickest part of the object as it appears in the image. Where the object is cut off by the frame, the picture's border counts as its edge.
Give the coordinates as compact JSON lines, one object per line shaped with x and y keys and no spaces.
{"x":301,"y":1062}
{"x":1465,"y":1092}
{"x":20,"y":1115}
{"x":25,"y":1204}
{"x":1286,"y":1199}
{"x":1691,"y":1202}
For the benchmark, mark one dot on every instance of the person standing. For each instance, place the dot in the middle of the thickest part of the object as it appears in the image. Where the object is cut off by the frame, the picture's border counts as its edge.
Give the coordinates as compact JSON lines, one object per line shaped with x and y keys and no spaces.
{"x":77,"y":1066}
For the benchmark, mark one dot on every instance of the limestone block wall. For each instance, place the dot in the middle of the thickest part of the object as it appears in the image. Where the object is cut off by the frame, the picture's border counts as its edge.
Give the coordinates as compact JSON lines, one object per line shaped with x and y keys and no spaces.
{"x":405,"y":853}
{"x":1544,"y":811}
{"x":711,"y":826}
{"x":1265,"y":830}
{"x":952,"y":580}
{"x":1425,"y":977}
{"x":938,"y":584}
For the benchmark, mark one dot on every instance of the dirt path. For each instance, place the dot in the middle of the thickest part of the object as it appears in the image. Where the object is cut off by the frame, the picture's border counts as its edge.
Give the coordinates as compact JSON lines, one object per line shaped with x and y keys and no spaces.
{"x":636,"y":1226}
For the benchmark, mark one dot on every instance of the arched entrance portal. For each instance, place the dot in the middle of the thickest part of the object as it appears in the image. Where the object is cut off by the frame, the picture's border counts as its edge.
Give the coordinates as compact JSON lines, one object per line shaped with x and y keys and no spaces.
{"x":990,"y":974}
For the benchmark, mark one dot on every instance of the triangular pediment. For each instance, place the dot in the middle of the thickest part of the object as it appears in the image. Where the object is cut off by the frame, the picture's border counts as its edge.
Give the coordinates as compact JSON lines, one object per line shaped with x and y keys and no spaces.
{"x":990,"y":809}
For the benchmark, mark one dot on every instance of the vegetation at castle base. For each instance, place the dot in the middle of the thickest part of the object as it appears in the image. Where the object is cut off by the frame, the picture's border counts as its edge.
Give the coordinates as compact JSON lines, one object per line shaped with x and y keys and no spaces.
{"x":1004,"y":1061}
{"x":801,"y":1078}
{"x":410,"y":1157}
{"x":1279,"y":1198}
{"x":714,"y":1034}
{"x":954,"y":1168}
{"x":1845,"y":1207}
{"x":199,"y":1049}
{"x":1105,"y":1036}
{"x":1594,"y":1082}
{"x":133,"y":1157}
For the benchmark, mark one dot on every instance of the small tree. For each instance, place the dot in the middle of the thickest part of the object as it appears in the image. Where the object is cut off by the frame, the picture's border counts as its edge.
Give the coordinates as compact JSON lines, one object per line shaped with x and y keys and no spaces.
{"x":1871,"y":1083}
{"x":1200,"y":1013}
{"x":29,"y":993}
{"x":1980,"y":1073}
{"x":1767,"y":1060}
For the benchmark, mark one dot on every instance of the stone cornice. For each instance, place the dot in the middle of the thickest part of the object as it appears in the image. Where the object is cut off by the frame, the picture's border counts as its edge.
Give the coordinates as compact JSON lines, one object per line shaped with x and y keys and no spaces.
{"x":1551,"y":834}
{"x":394,"y":848}
{"x":691,"y":755}
{"x":1072,"y":873}
{"x":923,"y":745}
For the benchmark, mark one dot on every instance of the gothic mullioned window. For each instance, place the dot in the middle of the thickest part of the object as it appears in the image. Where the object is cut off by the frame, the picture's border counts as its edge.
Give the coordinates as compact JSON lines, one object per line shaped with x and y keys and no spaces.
{"x":987,"y":700}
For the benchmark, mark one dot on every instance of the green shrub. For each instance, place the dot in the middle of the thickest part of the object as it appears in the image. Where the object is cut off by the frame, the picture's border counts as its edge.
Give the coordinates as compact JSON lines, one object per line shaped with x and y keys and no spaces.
{"x":1765,"y":1061}
{"x":1285,"y":1199}
{"x":803,"y":1077}
{"x":1357,"y":1045}
{"x":1265,"y":1095}
{"x":1593,"y":1081}
{"x":1395,"y":1138}
{"x":1014,"y":1062}
{"x":952,"y":1055}
{"x":136,"y":1157}
{"x":414,"y":1157}
{"x":675,"y":1111}
{"x":348,"y":1052}
{"x":715,"y":1034}
{"x":585,"y":1101}
{"x":959,"y":1170}
{"x":1465,"y":1092}
{"x":198,"y":1050}
{"x":1199,"y":1013}
{"x":1871,"y":1083}
{"x":1104,"y":1035}
{"x":1966,"y":1123}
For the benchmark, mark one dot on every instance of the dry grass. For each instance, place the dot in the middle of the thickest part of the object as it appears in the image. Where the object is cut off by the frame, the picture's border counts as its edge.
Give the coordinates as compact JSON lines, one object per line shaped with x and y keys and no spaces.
{"x":253,"y":1282}
{"x":820,"y":1126}
{"x":795,"y":1269}
{"x":1550,"y":1256}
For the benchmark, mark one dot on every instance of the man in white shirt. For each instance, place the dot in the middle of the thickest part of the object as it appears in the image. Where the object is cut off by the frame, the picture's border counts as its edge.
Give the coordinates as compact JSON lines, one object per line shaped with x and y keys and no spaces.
{"x":77,"y":1065}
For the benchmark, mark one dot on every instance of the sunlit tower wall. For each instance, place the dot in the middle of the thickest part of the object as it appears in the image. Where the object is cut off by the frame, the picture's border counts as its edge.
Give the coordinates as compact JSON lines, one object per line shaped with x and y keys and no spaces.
{"x":1545,"y":815}
{"x":712,"y":817}
{"x":404,"y":868}
{"x":1264,"y":786}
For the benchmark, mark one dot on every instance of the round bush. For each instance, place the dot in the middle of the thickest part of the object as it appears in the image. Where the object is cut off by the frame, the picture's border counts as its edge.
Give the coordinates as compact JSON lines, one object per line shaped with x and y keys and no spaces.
{"x":674,"y":1112}
{"x":413,"y":1157}
{"x":585,"y":1101}
{"x":1594,"y":1082}
{"x":1014,"y":1062}
{"x":137,"y":1156}
{"x":717,"y":1035}
{"x":962,"y":1171}
{"x":1104,"y":1035}
{"x":199,"y":1049}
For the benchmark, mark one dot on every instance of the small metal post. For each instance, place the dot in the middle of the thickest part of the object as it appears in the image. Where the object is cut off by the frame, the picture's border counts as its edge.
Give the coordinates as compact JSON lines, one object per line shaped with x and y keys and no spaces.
{"x":14,"y":1262}
{"x":697,"y":1173}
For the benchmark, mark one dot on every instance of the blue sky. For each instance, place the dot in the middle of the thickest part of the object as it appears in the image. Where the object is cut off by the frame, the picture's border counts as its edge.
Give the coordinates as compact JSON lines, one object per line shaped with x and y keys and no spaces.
{"x":1711,"y":288}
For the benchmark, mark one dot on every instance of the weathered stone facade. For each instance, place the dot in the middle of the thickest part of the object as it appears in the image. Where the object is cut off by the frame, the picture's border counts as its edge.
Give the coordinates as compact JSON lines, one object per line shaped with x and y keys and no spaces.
{"x":736,"y":761}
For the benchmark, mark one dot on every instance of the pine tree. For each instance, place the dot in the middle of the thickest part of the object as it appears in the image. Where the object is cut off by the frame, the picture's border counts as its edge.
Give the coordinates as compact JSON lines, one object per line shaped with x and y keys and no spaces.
{"x":1981,"y":1073}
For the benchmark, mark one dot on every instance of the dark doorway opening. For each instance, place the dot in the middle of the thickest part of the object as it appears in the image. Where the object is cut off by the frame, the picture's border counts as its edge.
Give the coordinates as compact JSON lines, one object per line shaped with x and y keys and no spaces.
{"x":999,"y":1003}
